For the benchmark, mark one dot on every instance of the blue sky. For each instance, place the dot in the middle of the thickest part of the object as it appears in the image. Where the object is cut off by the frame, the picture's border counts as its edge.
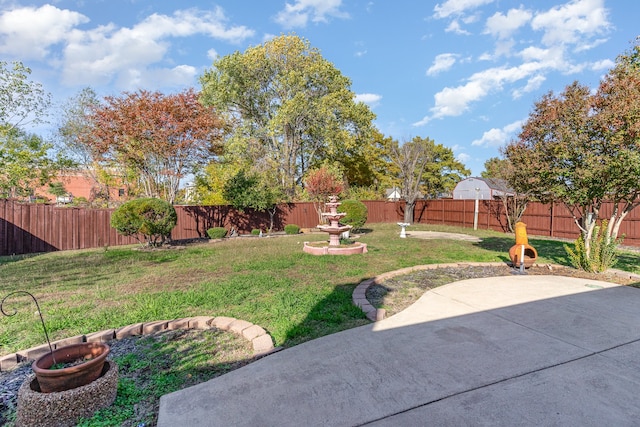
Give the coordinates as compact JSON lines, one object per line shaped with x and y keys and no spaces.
{"x":462,"y":72}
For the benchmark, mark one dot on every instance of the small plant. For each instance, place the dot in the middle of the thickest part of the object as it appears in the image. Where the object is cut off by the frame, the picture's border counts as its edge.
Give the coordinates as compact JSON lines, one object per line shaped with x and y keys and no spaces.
{"x":344,"y":241}
{"x":602,"y":254}
{"x":255,"y":232}
{"x":217,"y":232}
{"x":150,"y":217}
{"x":291,"y":229}
{"x":356,"y":213}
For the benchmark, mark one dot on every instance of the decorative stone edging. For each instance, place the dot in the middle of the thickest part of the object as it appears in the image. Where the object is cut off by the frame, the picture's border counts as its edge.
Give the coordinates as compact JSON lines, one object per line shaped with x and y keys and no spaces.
{"x":359,"y":296}
{"x":260,"y":339}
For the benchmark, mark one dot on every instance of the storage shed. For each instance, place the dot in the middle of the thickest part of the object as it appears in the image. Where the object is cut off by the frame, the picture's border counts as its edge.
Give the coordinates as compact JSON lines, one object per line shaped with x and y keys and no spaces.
{"x":482,"y":188}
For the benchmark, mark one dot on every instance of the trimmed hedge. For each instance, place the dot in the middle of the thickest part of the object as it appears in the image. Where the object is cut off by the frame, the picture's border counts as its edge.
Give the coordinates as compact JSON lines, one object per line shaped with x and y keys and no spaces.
{"x":356,"y":213}
{"x":150,"y":217}
{"x":291,"y":229}
{"x":217,"y":232}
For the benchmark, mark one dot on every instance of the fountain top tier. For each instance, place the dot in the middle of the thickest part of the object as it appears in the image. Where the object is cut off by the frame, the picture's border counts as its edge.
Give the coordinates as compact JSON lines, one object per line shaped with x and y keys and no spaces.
{"x":333,"y":216}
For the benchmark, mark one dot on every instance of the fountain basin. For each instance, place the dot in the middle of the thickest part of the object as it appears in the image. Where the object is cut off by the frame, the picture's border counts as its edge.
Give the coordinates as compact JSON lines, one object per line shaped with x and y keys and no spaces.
{"x":352,"y":249}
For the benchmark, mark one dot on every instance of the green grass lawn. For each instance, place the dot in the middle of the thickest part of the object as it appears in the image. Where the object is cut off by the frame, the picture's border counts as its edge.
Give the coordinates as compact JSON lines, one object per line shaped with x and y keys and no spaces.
{"x":267,"y":281}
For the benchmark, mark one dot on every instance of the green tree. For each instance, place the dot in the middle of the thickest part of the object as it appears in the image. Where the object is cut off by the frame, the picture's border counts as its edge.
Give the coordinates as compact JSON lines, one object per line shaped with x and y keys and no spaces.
{"x":245,"y":191}
{"x":210,"y":182}
{"x":366,"y":169}
{"x":424,"y":168}
{"x":25,"y":164}
{"x":57,"y":189}
{"x":495,"y":168}
{"x":290,"y":108}
{"x":22,"y":101}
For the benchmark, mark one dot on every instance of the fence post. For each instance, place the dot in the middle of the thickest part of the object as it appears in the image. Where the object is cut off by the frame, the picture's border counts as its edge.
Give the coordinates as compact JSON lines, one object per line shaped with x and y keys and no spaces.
{"x":551,"y":220}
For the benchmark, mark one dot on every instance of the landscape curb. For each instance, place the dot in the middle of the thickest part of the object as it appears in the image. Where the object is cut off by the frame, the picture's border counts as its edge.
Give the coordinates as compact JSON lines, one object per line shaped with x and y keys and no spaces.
{"x":359,"y":295}
{"x":261,"y":340}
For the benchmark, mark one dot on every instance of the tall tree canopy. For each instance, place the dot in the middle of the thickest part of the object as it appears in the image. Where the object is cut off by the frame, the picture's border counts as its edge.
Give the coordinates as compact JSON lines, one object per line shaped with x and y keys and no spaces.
{"x":75,"y":125}
{"x":22,"y":101}
{"x":159,"y":137}
{"x":290,"y":108}
{"x":25,"y":163}
{"x":583,"y":149}
{"x":424,"y":168}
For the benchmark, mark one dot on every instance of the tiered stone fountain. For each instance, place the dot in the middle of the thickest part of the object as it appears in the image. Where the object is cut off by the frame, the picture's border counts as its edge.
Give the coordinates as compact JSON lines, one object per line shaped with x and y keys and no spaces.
{"x":335,"y":229}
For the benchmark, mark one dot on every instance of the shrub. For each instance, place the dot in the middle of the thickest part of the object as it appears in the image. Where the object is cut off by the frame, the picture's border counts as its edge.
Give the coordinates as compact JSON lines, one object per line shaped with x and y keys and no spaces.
{"x":217,"y":232}
{"x":255,"y":232}
{"x":151,"y":218}
{"x":356,"y":213}
{"x":291,"y":229}
{"x":602,"y":254}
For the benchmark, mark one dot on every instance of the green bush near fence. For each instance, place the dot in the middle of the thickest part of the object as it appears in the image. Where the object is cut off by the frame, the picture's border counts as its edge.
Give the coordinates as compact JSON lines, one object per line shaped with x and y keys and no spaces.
{"x":356,"y":213}
{"x":217,"y":232}
{"x":291,"y":229}
{"x":151,"y":218}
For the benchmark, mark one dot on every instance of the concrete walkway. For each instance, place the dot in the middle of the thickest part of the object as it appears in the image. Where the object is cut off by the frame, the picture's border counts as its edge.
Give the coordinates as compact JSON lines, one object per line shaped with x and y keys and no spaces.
{"x":517,"y":350}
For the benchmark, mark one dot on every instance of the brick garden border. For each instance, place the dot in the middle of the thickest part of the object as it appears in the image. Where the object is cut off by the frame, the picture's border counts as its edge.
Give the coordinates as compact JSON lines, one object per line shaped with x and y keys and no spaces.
{"x":261,"y":341}
{"x":359,"y":295}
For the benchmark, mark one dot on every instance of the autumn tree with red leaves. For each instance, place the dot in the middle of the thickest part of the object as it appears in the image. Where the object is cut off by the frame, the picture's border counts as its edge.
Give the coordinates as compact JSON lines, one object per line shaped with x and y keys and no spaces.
{"x":582,"y":149}
{"x":320,"y":184}
{"x":158,"y":137}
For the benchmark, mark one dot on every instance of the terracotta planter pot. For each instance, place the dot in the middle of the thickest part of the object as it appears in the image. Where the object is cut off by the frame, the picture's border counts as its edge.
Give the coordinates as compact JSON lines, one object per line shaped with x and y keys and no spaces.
{"x":56,"y":380}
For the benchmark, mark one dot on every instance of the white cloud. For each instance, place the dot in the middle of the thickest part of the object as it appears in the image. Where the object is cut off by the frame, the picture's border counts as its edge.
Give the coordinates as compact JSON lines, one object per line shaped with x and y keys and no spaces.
{"x":457,"y":7}
{"x":503,"y":26}
{"x":371,"y":99}
{"x":498,"y":137}
{"x":454,"y":101}
{"x":298,"y":14}
{"x":127,"y":55}
{"x":442,"y":62}
{"x":605,"y":64}
{"x":28,"y":33}
{"x":212,"y":54}
{"x":585,"y":45}
{"x":572,"y":23}
{"x":533,"y":84}
{"x":100,"y":55}
{"x":454,"y":27}
{"x":463,"y":158}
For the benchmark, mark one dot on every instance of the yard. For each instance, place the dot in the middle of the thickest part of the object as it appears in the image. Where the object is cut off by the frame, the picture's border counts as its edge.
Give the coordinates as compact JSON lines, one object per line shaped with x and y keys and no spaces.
{"x":267,"y":281}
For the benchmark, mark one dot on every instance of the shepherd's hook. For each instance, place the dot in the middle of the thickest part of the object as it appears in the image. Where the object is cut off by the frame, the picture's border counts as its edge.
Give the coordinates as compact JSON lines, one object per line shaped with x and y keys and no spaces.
{"x":44,"y":328}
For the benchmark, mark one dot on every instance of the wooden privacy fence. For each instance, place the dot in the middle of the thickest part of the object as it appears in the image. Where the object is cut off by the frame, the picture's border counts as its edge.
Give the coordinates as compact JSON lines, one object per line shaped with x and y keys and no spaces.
{"x":32,"y":228}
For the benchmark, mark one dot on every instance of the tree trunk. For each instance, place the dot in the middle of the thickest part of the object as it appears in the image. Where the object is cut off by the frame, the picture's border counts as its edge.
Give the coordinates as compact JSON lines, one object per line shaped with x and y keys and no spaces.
{"x":272,"y":214}
{"x":408,"y":211}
